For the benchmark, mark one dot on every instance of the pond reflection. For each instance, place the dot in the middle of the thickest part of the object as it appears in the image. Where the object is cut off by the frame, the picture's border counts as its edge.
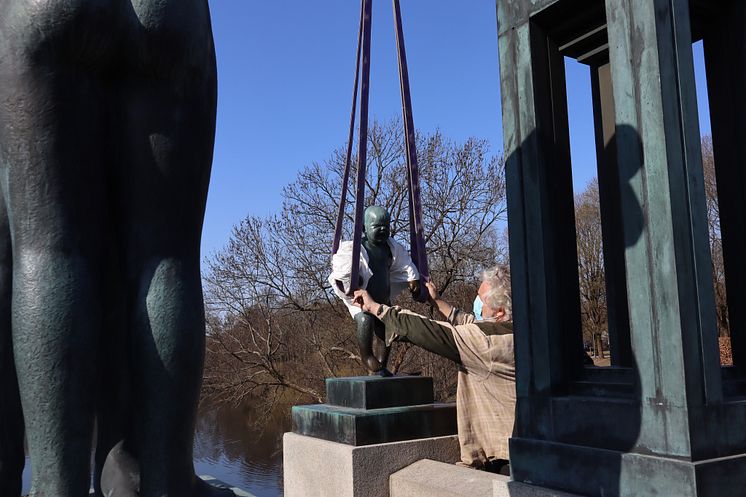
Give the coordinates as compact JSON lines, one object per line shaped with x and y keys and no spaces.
{"x":230,"y":446}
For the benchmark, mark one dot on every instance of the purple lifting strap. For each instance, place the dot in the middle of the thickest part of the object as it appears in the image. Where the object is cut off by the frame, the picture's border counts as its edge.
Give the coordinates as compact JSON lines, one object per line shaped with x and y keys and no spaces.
{"x":357,"y":230}
{"x":416,"y":233}
{"x":348,"y":159}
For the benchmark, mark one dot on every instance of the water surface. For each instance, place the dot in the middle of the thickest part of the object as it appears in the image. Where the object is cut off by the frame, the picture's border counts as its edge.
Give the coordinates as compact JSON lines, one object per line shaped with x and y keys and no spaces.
{"x":231,"y":446}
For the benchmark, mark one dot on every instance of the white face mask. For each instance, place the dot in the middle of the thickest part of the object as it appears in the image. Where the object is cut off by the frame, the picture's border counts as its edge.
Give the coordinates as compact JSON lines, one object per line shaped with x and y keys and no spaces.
{"x":478,"y":308}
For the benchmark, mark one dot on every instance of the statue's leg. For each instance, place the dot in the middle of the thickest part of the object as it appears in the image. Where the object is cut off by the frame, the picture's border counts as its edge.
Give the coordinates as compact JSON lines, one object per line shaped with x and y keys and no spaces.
{"x":52,"y":173}
{"x":365,"y":325}
{"x":166,"y":113}
{"x":114,"y":399}
{"x":11,"y":418}
{"x":383,"y":351}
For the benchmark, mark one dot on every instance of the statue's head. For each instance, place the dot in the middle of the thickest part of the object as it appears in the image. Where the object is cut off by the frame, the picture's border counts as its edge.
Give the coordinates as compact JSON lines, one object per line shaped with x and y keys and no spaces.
{"x":376,"y":221}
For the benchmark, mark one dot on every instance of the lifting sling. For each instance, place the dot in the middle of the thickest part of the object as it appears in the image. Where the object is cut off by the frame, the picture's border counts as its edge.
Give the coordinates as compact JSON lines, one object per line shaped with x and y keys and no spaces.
{"x":416,"y":234}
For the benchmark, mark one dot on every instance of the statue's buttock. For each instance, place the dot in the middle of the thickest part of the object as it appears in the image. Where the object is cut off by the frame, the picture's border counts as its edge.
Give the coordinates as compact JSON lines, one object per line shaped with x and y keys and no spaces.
{"x":46,"y":31}
{"x":118,"y":35}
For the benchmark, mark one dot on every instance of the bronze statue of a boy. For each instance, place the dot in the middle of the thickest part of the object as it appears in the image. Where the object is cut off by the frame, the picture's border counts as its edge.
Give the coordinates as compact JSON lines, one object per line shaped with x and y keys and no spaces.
{"x":386,"y":270}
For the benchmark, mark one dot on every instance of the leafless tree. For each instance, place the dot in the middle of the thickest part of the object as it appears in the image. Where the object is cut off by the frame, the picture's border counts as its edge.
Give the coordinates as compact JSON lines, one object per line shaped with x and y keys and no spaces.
{"x":590,"y":254}
{"x":276,"y":326}
{"x":716,"y":241}
{"x":591,"y":266}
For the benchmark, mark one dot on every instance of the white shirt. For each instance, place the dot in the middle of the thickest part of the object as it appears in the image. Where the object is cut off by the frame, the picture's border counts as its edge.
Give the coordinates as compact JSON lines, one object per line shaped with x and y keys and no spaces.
{"x":402,"y":271}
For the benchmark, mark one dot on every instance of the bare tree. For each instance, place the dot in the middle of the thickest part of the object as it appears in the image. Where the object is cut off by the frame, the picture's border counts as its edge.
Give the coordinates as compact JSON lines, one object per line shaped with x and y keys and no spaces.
{"x":594,"y":315}
{"x":590,"y":256}
{"x":278,"y":327}
{"x":716,"y":241}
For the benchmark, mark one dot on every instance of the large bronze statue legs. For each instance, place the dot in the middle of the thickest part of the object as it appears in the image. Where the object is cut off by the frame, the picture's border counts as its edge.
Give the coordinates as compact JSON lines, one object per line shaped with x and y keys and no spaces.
{"x":167,"y":119}
{"x":106,"y":129}
{"x":54,"y":167}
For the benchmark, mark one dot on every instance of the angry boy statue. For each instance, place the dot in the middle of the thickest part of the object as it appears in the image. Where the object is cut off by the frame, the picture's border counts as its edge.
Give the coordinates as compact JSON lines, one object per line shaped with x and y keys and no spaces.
{"x":386,"y":269}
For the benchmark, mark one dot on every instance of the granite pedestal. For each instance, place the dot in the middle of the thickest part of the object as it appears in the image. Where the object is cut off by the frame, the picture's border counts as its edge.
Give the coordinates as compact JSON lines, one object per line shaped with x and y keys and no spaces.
{"x":366,"y":410}
{"x":369,"y":428}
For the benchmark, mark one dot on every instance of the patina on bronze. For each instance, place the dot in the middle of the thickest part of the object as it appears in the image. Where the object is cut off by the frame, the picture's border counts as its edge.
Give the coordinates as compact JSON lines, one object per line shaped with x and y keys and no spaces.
{"x":365,"y":410}
{"x":107,"y":121}
{"x":380,"y":258}
{"x":659,"y":418}
{"x":375,"y":243}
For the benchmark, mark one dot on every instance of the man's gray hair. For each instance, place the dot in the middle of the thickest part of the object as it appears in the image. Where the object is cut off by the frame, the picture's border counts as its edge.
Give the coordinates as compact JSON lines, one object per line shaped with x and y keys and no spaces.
{"x":498,"y":280}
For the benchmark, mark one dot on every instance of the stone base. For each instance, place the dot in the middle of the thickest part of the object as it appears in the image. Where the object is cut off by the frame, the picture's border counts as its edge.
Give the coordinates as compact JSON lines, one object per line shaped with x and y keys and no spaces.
{"x":374,"y":426}
{"x":428,"y":478}
{"x":319,"y":468}
{"x":365,"y":410}
{"x":376,"y":392}
{"x":606,"y":473}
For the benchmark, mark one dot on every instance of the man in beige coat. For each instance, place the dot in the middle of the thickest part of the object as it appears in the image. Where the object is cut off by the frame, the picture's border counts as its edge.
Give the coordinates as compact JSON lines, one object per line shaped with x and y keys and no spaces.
{"x":483,"y":349}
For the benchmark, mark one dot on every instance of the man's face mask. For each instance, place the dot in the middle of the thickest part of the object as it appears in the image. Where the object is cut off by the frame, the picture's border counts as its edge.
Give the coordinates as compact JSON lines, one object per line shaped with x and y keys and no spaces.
{"x":478,"y":308}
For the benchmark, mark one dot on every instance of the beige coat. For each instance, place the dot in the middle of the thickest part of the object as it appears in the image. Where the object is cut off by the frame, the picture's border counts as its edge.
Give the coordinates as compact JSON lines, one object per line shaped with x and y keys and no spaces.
{"x":485,"y":399}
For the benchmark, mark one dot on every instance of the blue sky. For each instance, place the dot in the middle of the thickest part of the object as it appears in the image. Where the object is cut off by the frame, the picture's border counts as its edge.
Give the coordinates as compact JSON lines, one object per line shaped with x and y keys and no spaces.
{"x":285,"y":71}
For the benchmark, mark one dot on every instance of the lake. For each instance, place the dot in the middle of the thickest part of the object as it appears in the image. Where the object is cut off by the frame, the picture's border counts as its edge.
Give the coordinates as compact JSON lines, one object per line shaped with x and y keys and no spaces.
{"x":231,"y":447}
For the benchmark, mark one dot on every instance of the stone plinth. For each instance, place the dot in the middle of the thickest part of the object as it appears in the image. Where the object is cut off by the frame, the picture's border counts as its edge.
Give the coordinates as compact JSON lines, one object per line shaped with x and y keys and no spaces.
{"x":365,"y":427}
{"x":369,"y":428}
{"x":320,"y":468}
{"x":366,"y":410}
{"x":375,"y":392}
{"x":427,"y":478}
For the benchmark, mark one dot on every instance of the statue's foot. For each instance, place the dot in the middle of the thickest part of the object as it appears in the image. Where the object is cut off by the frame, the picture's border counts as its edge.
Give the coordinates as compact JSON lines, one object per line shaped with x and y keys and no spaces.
{"x":373,"y":365}
{"x":383,"y":372}
{"x":121,"y":473}
{"x":409,"y":373}
{"x":121,"y":477}
{"x":376,"y":368}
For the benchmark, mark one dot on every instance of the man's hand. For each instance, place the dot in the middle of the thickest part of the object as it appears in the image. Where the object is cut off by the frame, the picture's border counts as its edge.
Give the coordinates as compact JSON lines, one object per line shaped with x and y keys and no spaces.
{"x":363,"y":300}
{"x":432,"y":291}
{"x":434,"y":297}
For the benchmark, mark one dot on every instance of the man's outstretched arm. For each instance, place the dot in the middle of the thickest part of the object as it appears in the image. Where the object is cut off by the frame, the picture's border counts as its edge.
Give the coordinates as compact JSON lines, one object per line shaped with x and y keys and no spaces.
{"x":406,"y":326}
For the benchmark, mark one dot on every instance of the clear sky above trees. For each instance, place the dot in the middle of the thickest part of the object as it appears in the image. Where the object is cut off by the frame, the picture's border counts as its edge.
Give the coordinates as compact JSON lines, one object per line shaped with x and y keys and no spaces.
{"x":285,"y":81}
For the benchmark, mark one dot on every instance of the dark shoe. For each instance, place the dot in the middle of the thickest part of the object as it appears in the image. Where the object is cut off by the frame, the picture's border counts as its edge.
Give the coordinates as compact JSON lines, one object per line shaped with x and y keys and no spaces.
{"x":497,"y":466}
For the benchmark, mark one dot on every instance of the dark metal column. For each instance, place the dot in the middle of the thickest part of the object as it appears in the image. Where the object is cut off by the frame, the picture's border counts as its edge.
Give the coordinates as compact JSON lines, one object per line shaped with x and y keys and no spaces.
{"x":611,"y":216}
{"x":542,"y":228}
{"x":663,"y":422}
{"x":671,"y":302}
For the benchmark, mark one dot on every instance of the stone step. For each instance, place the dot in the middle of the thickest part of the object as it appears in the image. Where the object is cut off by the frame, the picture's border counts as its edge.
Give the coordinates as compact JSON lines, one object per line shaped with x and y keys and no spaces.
{"x":426,"y":478}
